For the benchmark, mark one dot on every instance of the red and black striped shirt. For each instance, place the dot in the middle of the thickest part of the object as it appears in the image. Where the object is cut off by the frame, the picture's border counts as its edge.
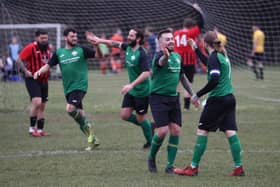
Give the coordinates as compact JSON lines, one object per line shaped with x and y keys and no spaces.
{"x":35,"y":59}
{"x":181,"y":46}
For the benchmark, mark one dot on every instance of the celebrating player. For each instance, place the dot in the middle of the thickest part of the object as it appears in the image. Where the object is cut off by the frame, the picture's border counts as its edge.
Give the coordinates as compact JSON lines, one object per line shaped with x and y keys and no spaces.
{"x":190,"y":30}
{"x":164,"y":99}
{"x":35,"y":55}
{"x":136,"y":93}
{"x":219,"y":111}
{"x":74,"y":71}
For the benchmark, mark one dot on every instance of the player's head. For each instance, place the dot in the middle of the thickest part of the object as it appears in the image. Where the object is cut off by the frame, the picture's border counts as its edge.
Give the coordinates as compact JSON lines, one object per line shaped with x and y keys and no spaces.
{"x":70,"y":36}
{"x":135,"y":37}
{"x":211,"y":41}
{"x":166,"y":40}
{"x":255,"y":27}
{"x":188,"y":23}
{"x":42,"y":38}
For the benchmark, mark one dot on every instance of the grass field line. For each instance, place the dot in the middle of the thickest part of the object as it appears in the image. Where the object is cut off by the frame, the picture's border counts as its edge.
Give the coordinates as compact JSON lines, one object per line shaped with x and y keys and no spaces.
{"x":37,"y":153}
{"x":274,"y":100}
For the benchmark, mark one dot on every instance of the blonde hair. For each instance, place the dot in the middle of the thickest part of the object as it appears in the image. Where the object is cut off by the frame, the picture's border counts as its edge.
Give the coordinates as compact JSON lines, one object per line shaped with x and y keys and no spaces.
{"x":213,"y":41}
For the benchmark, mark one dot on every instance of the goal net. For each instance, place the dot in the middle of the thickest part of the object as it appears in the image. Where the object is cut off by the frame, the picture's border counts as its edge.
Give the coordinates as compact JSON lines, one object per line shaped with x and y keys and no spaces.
{"x":234,"y":18}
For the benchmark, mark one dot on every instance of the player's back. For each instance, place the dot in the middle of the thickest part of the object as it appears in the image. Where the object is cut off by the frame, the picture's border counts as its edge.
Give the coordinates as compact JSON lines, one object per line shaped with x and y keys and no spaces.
{"x":181,"y":38}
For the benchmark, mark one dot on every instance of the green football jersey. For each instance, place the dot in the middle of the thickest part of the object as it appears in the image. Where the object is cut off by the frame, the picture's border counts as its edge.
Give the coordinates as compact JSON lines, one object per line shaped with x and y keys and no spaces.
{"x":166,"y":78}
{"x":136,"y":63}
{"x":73,"y":66}
{"x":224,"y":86}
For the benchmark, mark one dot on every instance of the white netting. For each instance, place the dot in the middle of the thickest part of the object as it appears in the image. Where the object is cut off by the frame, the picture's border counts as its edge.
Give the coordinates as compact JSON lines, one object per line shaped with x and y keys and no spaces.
{"x":233,"y":17}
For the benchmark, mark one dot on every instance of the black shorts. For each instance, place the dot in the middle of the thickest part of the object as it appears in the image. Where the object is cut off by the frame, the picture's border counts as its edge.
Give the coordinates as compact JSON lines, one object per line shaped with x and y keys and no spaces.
{"x":75,"y":98}
{"x":36,"y":88}
{"x":258,"y":57}
{"x":139,"y":104}
{"x":219,"y":113}
{"x":189,"y":71}
{"x":166,"y":109}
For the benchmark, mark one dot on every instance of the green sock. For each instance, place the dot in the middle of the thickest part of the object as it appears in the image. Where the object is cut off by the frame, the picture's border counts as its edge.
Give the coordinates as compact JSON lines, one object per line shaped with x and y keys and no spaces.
{"x":81,"y":120}
{"x":200,"y":146}
{"x":132,"y":119}
{"x":172,"y":150}
{"x":147,"y":130}
{"x":235,"y":148}
{"x":156,"y":143}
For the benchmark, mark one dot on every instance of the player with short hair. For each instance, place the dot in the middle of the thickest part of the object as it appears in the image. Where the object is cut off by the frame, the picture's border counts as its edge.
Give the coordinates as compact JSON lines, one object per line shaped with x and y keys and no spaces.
{"x":164,"y":99}
{"x":190,"y":30}
{"x":31,"y":59}
{"x":219,"y":111}
{"x":136,"y":93}
{"x":72,"y":61}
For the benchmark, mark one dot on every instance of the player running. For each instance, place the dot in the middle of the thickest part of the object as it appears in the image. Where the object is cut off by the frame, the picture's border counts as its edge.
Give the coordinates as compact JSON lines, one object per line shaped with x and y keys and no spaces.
{"x":136,"y":93}
{"x":72,"y":61}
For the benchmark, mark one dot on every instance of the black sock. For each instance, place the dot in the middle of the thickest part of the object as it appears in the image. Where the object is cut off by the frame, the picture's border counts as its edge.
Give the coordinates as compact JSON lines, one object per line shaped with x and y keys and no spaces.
{"x":40,"y":123}
{"x":33,"y":120}
{"x":255,"y":71}
{"x":261,"y":73}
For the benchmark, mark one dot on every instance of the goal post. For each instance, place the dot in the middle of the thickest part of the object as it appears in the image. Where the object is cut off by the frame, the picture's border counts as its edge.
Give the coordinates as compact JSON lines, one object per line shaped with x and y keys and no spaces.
{"x":55,"y":26}
{"x":56,"y":37}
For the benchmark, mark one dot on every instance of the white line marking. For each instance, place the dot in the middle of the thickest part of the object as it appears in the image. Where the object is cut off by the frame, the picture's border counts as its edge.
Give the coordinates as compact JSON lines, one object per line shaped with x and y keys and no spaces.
{"x":38,"y":153}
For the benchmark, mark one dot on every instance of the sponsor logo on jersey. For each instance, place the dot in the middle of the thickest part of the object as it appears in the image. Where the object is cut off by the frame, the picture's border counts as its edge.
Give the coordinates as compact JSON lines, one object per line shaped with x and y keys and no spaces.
{"x":74,"y":53}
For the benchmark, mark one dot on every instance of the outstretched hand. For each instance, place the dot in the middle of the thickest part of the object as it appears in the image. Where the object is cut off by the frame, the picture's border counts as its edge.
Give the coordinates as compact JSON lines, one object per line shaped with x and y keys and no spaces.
{"x":192,"y":43}
{"x":126,"y":88}
{"x":195,"y":101}
{"x":92,"y":38}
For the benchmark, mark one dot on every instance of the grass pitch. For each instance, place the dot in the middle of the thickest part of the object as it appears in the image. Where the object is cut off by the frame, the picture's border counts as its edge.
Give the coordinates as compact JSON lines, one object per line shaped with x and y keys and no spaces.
{"x":59,"y":160}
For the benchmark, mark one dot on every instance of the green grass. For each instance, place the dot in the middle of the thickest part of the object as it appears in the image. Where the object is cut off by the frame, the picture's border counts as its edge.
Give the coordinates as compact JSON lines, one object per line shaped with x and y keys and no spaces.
{"x":59,"y":160}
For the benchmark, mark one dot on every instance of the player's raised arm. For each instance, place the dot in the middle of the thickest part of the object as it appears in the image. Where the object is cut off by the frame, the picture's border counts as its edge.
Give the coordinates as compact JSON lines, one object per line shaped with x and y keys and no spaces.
{"x":93,"y":39}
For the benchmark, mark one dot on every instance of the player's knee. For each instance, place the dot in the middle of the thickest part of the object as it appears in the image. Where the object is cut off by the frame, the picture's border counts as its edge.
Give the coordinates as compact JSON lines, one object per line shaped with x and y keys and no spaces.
{"x":175,"y":130}
{"x":230,"y":133}
{"x":201,"y":132}
{"x":162,"y":131}
{"x":70,"y":108}
{"x":37,"y":102}
{"x":124,"y":116}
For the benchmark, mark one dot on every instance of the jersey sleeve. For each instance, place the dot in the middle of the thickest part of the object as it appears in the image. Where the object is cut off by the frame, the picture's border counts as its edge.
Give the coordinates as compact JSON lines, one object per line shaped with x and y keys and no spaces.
{"x":157,"y":57}
{"x":214,"y":70}
{"x":143,"y":63}
{"x":54,"y":60}
{"x":26,"y":53}
{"x":88,"y":52}
{"x":124,"y":46}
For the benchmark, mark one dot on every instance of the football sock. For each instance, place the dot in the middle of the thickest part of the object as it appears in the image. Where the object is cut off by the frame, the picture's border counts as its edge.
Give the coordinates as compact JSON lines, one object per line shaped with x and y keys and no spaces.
{"x":132,"y":119}
{"x":85,"y":126}
{"x":156,"y":143}
{"x":147,"y":130}
{"x":261,"y":73}
{"x":172,"y":150}
{"x":33,"y":120}
{"x":199,"y":148}
{"x":235,"y":148}
{"x":40,"y":123}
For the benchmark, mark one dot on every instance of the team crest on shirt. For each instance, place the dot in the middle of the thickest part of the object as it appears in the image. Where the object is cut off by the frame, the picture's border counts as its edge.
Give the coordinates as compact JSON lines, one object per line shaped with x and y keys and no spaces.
{"x":133,"y":57}
{"x":74,"y":53}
